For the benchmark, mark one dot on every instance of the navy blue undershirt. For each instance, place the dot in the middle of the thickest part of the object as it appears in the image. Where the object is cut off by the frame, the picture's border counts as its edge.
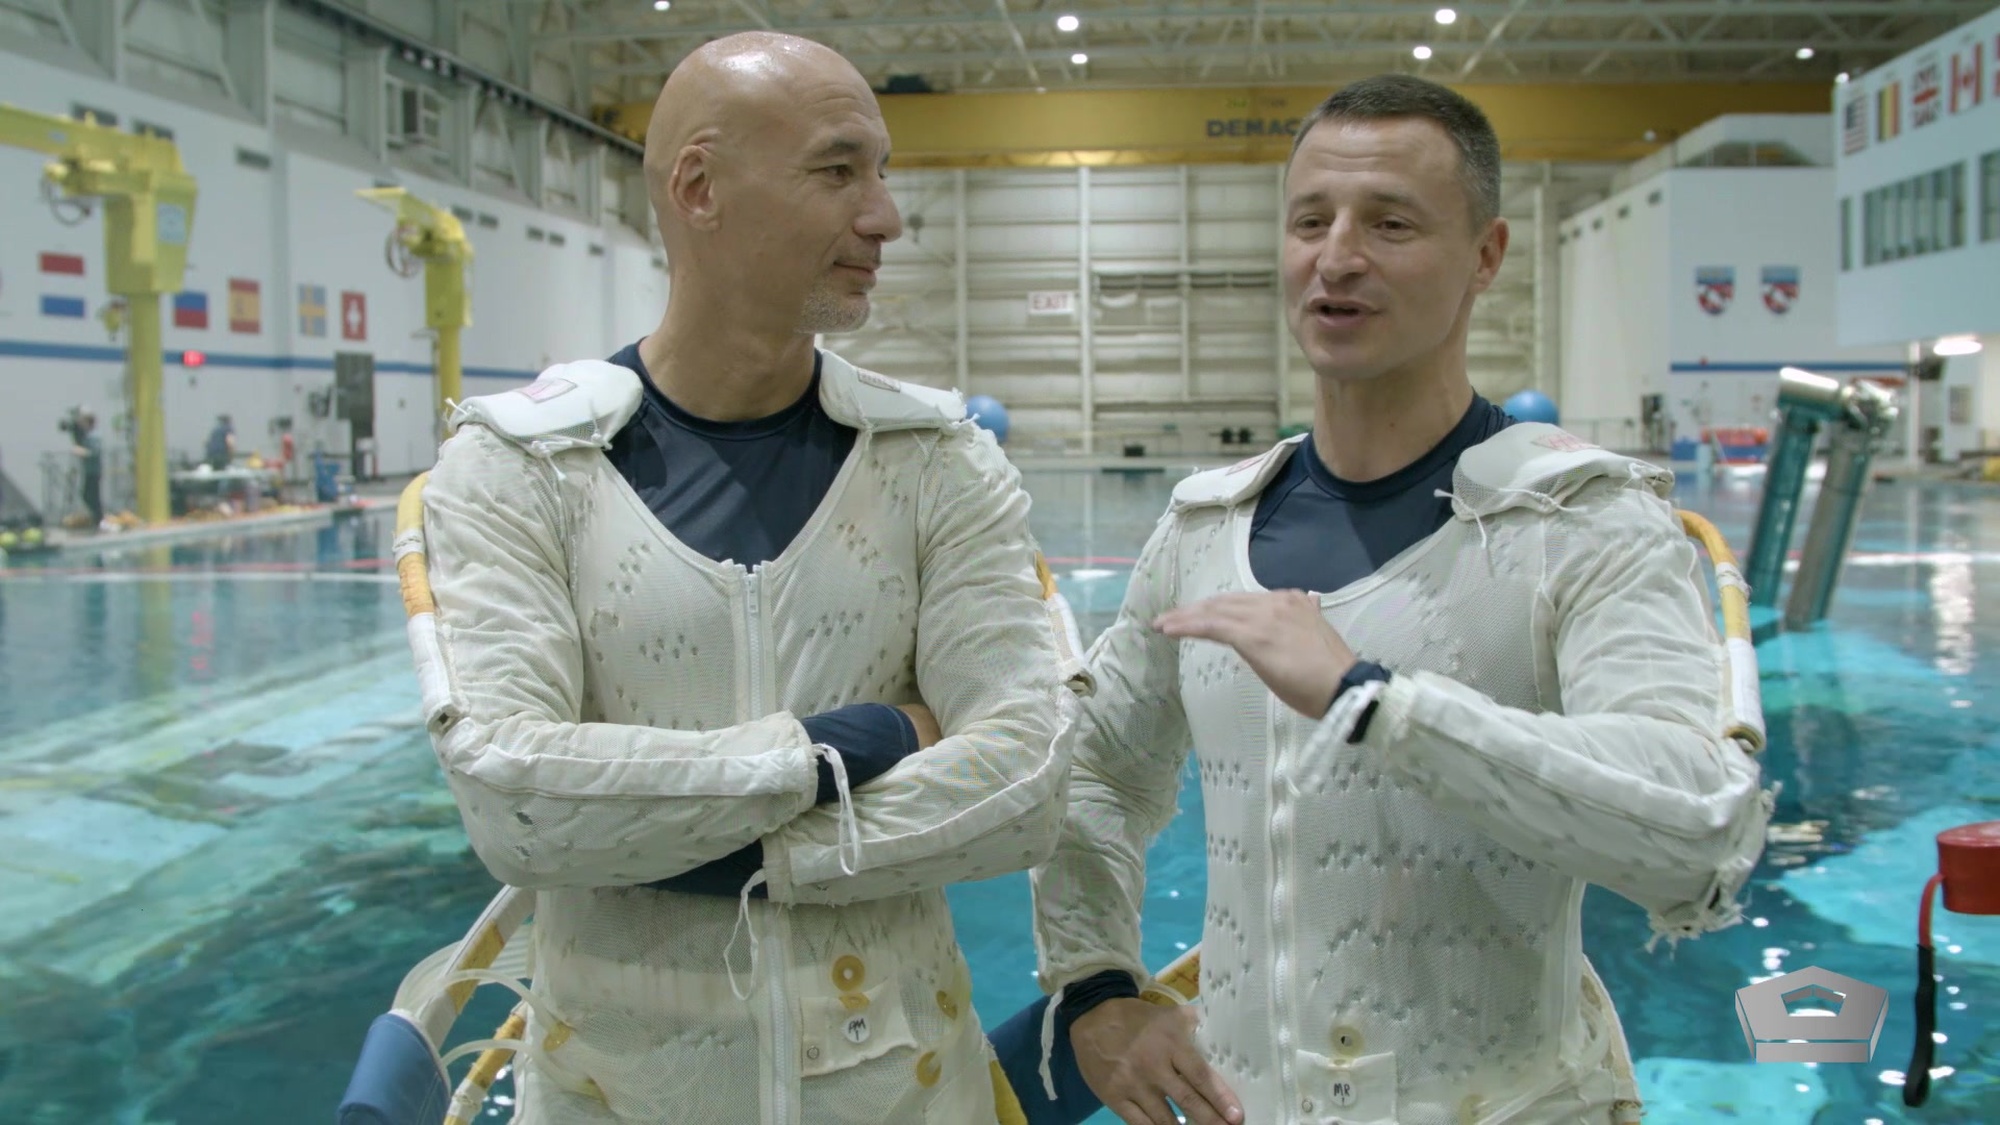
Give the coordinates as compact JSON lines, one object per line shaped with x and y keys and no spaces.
{"x":742,"y":491}
{"x":1314,"y":531}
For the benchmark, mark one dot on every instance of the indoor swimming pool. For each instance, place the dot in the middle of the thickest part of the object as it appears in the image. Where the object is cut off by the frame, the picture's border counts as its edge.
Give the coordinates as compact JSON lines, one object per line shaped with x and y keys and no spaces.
{"x":223,"y":838}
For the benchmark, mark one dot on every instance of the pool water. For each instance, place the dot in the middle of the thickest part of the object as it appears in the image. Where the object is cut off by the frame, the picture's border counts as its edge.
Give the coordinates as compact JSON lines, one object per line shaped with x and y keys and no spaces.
{"x":223,"y":839}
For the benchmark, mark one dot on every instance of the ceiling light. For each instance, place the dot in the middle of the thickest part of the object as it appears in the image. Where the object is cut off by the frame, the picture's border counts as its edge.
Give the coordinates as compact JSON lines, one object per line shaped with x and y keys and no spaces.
{"x":1446,"y":15}
{"x":1066,"y":23}
{"x":1841,"y":78}
{"x":662,"y":5}
{"x":1805,"y":52}
{"x":1422,"y":51}
{"x":1956,"y":345}
{"x":1079,"y":58}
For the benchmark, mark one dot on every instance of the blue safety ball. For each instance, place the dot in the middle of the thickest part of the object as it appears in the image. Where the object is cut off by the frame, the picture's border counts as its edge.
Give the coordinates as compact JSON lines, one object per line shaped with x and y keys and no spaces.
{"x":991,"y":416}
{"x":1532,"y":406}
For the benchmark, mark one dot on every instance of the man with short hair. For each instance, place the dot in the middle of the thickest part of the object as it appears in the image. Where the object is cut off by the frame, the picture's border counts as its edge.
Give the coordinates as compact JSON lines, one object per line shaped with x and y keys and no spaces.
{"x":1504,"y":685}
{"x":645,"y":569}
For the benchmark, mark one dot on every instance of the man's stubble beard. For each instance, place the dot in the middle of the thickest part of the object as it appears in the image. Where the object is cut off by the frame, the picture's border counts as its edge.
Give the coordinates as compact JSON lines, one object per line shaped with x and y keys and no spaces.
{"x":827,"y":311}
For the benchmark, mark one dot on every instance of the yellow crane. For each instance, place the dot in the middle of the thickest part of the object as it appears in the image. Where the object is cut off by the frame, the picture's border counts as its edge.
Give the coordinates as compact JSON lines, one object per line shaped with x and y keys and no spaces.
{"x":434,"y":236}
{"x":148,"y":213}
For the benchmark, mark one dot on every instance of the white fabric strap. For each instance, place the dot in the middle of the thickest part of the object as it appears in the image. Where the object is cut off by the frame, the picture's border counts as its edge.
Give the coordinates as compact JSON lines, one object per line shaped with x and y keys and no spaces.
{"x":849,"y":820}
{"x":1049,"y":1043}
{"x":743,"y":922}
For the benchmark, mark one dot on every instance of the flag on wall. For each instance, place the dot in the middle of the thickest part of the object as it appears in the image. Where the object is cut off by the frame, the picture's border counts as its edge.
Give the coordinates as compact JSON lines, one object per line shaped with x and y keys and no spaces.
{"x":1781,"y":288}
{"x":1714,"y":288}
{"x":246,"y":306}
{"x":1967,"y":66}
{"x":353,"y":315}
{"x":312,"y":310}
{"x":1888,"y":111}
{"x":1854,"y":125}
{"x":1926,"y":92}
{"x":190,"y":310}
{"x":67,"y":265}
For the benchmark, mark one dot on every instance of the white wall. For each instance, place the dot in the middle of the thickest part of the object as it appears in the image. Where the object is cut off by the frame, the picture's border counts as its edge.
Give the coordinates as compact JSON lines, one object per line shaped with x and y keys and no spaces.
{"x":296,"y":223}
{"x":1750,"y":219}
{"x":1613,"y":280}
{"x":1632,"y":323}
{"x":1949,"y":291}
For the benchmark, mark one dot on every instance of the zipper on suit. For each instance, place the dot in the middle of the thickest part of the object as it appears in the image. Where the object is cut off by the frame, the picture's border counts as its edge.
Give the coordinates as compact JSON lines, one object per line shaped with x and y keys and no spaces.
{"x":783,"y":1071}
{"x":1281,"y":929}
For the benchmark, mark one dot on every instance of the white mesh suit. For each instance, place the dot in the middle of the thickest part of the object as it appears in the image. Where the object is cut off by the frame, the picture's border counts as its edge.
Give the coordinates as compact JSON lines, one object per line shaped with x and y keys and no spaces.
{"x":617,"y":709}
{"x":1392,"y":934}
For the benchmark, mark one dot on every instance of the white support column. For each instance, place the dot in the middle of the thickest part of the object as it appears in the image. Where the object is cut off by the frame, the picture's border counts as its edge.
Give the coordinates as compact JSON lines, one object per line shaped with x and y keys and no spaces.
{"x":590,"y":193}
{"x":1543,"y":280}
{"x":99,"y":28}
{"x":1187,"y":294}
{"x":460,"y":127}
{"x":1283,"y":330}
{"x":961,"y":278}
{"x":367,"y":70}
{"x":1086,"y":307}
{"x":635,"y":206}
{"x":1913,"y":416}
{"x":530,"y":137}
{"x":247,"y":29}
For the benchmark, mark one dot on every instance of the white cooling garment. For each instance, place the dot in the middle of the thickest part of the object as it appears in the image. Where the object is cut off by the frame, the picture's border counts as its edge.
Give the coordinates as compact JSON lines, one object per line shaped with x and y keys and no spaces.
{"x":620,"y":709}
{"x":1392,"y":934}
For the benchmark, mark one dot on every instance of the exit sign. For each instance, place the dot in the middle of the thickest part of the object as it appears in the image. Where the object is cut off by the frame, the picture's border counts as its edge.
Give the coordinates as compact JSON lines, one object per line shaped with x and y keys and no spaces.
{"x":1052,"y":303}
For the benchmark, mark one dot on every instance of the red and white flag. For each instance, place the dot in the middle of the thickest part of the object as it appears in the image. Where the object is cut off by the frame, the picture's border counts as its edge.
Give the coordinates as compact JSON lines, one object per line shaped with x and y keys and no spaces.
{"x":1967,"y":69}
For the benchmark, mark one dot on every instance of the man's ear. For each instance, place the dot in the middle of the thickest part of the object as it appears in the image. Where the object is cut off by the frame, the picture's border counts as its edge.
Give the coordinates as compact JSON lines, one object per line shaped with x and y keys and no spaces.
{"x":1492,"y":251}
{"x":691,"y":186}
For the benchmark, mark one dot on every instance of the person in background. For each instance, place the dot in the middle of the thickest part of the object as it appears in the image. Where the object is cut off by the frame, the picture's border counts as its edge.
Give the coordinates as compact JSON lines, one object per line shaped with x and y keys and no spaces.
{"x":88,"y":448}
{"x":221,"y":444}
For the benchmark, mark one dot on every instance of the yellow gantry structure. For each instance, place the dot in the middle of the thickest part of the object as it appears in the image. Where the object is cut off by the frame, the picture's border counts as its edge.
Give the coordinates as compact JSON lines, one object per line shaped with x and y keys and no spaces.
{"x":148,"y":213}
{"x":434,"y":235}
{"x":1616,"y":122}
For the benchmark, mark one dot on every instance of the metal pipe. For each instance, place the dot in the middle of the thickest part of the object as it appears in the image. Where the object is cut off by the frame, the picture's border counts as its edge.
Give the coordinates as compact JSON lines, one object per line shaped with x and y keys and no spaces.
{"x":1805,"y":401}
{"x":1870,"y":413}
{"x":1832,"y":528}
{"x":1086,"y":307}
{"x":960,"y":281}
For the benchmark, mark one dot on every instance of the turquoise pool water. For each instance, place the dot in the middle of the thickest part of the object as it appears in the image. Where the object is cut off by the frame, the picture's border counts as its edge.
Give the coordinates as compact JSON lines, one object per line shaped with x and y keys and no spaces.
{"x":222,"y":839}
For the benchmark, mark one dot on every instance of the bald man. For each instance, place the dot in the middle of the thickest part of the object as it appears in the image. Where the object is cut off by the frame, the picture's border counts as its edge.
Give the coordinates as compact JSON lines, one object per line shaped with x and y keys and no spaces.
{"x":747,"y":653}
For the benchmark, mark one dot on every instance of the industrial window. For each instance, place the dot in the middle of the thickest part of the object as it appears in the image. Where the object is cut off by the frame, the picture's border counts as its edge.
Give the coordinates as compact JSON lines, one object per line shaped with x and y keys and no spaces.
{"x":1868,"y":213}
{"x":1846,"y":235}
{"x":148,"y":129}
{"x":83,"y":112}
{"x":251,"y":158}
{"x":1953,"y":205}
{"x":1989,"y":197}
{"x":1922,"y":210}
{"x":1922,"y":214}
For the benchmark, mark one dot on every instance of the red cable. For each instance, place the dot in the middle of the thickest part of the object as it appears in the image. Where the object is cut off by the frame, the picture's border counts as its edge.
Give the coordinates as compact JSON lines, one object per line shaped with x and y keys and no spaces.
{"x":1924,"y":911}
